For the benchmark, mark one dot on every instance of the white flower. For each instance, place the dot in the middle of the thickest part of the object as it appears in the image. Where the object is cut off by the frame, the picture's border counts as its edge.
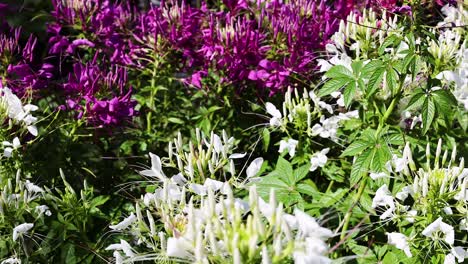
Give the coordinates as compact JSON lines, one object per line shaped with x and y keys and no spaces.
{"x":439,"y":226}
{"x":217,"y":144}
{"x":254,"y":167}
{"x":156,"y":168}
{"x":319,"y":159}
{"x":237,"y":155}
{"x":43,"y":209}
{"x":125,"y":223}
{"x":32,"y":188}
{"x":309,"y":227}
{"x":179,"y":247}
{"x":11,"y":146}
{"x":179,"y":179}
{"x":399,"y":163}
{"x":17,"y":112}
{"x":384,"y":198}
{"x":198,"y":189}
{"x":448,"y":210}
{"x":456,"y":253}
{"x":21,"y":229}
{"x":275,"y":113}
{"x":464,"y":224}
{"x":289,"y":145}
{"x":123,"y":246}
{"x":403,"y":194}
{"x":12,"y":260}
{"x":214,"y":185}
{"x":379,"y":175}
{"x":400,"y":241}
{"x":411,"y":214}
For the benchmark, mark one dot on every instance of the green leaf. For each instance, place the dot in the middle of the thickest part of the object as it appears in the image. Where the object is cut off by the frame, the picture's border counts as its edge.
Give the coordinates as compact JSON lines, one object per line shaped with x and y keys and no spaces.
{"x":428,"y":113}
{"x":301,"y":172}
{"x":392,"y":40}
{"x":416,"y":101}
{"x":284,"y":171}
{"x":392,"y":78}
{"x":361,"y":166}
{"x":332,"y":85}
{"x":266,"y":139}
{"x":444,"y":101}
{"x":355,"y":148}
{"x":375,"y":81}
{"x":349,"y":92}
{"x":357,"y":66}
{"x":394,"y":139}
{"x":307,"y":189}
{"x":380,"y":156}
{"x":339,"y":72}
{"x":371,"y":67}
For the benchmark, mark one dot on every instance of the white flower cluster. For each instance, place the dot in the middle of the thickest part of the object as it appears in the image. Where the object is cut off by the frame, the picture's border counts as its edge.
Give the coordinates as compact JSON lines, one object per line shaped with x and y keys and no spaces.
{"x":363,"y":33}
{"x":14,"y":113}
{"x":459,"y":77}
{"x":203,"y":221}
{"x":205,"y":157}
{"x":435,"y":194}
{"x":21,"y":198}
{"x":452,"y":46}
{"x":222,"y":227}
{"x":300,"y":113}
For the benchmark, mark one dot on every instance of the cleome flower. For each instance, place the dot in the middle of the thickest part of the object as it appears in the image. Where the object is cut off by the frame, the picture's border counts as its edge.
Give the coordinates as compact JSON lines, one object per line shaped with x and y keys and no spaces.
{"x":437,"y":208}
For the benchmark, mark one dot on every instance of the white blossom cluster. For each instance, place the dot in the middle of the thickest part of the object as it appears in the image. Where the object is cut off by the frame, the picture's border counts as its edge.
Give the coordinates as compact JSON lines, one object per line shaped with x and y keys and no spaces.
{"x":452,"y":47}
{"x":204,"y":158}
{"x":203,"y":221}
{"x":433,"y":200}
{"x":21,"y":198}
{"x":219,"y":226}
{"x":13,"y":112}
{"x":304,"y":113}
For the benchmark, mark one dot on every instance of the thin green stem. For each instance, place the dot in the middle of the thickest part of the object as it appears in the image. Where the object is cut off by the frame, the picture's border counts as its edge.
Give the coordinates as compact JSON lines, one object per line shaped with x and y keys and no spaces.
{"x":348,"y":215}
{"x":152,"y":97}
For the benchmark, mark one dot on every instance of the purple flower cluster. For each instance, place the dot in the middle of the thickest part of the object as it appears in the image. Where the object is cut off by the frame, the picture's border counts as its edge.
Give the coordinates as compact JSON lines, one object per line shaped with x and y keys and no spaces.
{"x":18,"y":68}
{"x":260,"y":44}
{"x":97,"y":89}
{"x":106,"y":26}
{"x":87,"y":88}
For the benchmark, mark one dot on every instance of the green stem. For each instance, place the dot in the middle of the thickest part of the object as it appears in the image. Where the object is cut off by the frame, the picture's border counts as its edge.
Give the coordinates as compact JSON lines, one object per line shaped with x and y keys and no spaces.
{"x":152,"y":95}
{"x":348,"y":215}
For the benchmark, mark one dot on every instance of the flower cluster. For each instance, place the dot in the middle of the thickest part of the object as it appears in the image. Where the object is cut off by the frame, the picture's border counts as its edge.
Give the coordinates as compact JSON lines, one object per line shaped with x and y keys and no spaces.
{"x":89,"y":83}
{"x":17,"y":117}
{"x":20,"y":201}
{"x":18,"y":68}
{"x":204,"y":223}
{"x":105,"y":25}
{"x":267,"y":43}
{"x":97,"y":89}
{"x":307,"y":117}
{"x":432,"y":200}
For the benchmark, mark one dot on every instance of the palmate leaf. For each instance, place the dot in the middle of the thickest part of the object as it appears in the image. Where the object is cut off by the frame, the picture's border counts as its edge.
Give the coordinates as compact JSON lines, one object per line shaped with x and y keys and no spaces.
{"x":288,"y":183}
